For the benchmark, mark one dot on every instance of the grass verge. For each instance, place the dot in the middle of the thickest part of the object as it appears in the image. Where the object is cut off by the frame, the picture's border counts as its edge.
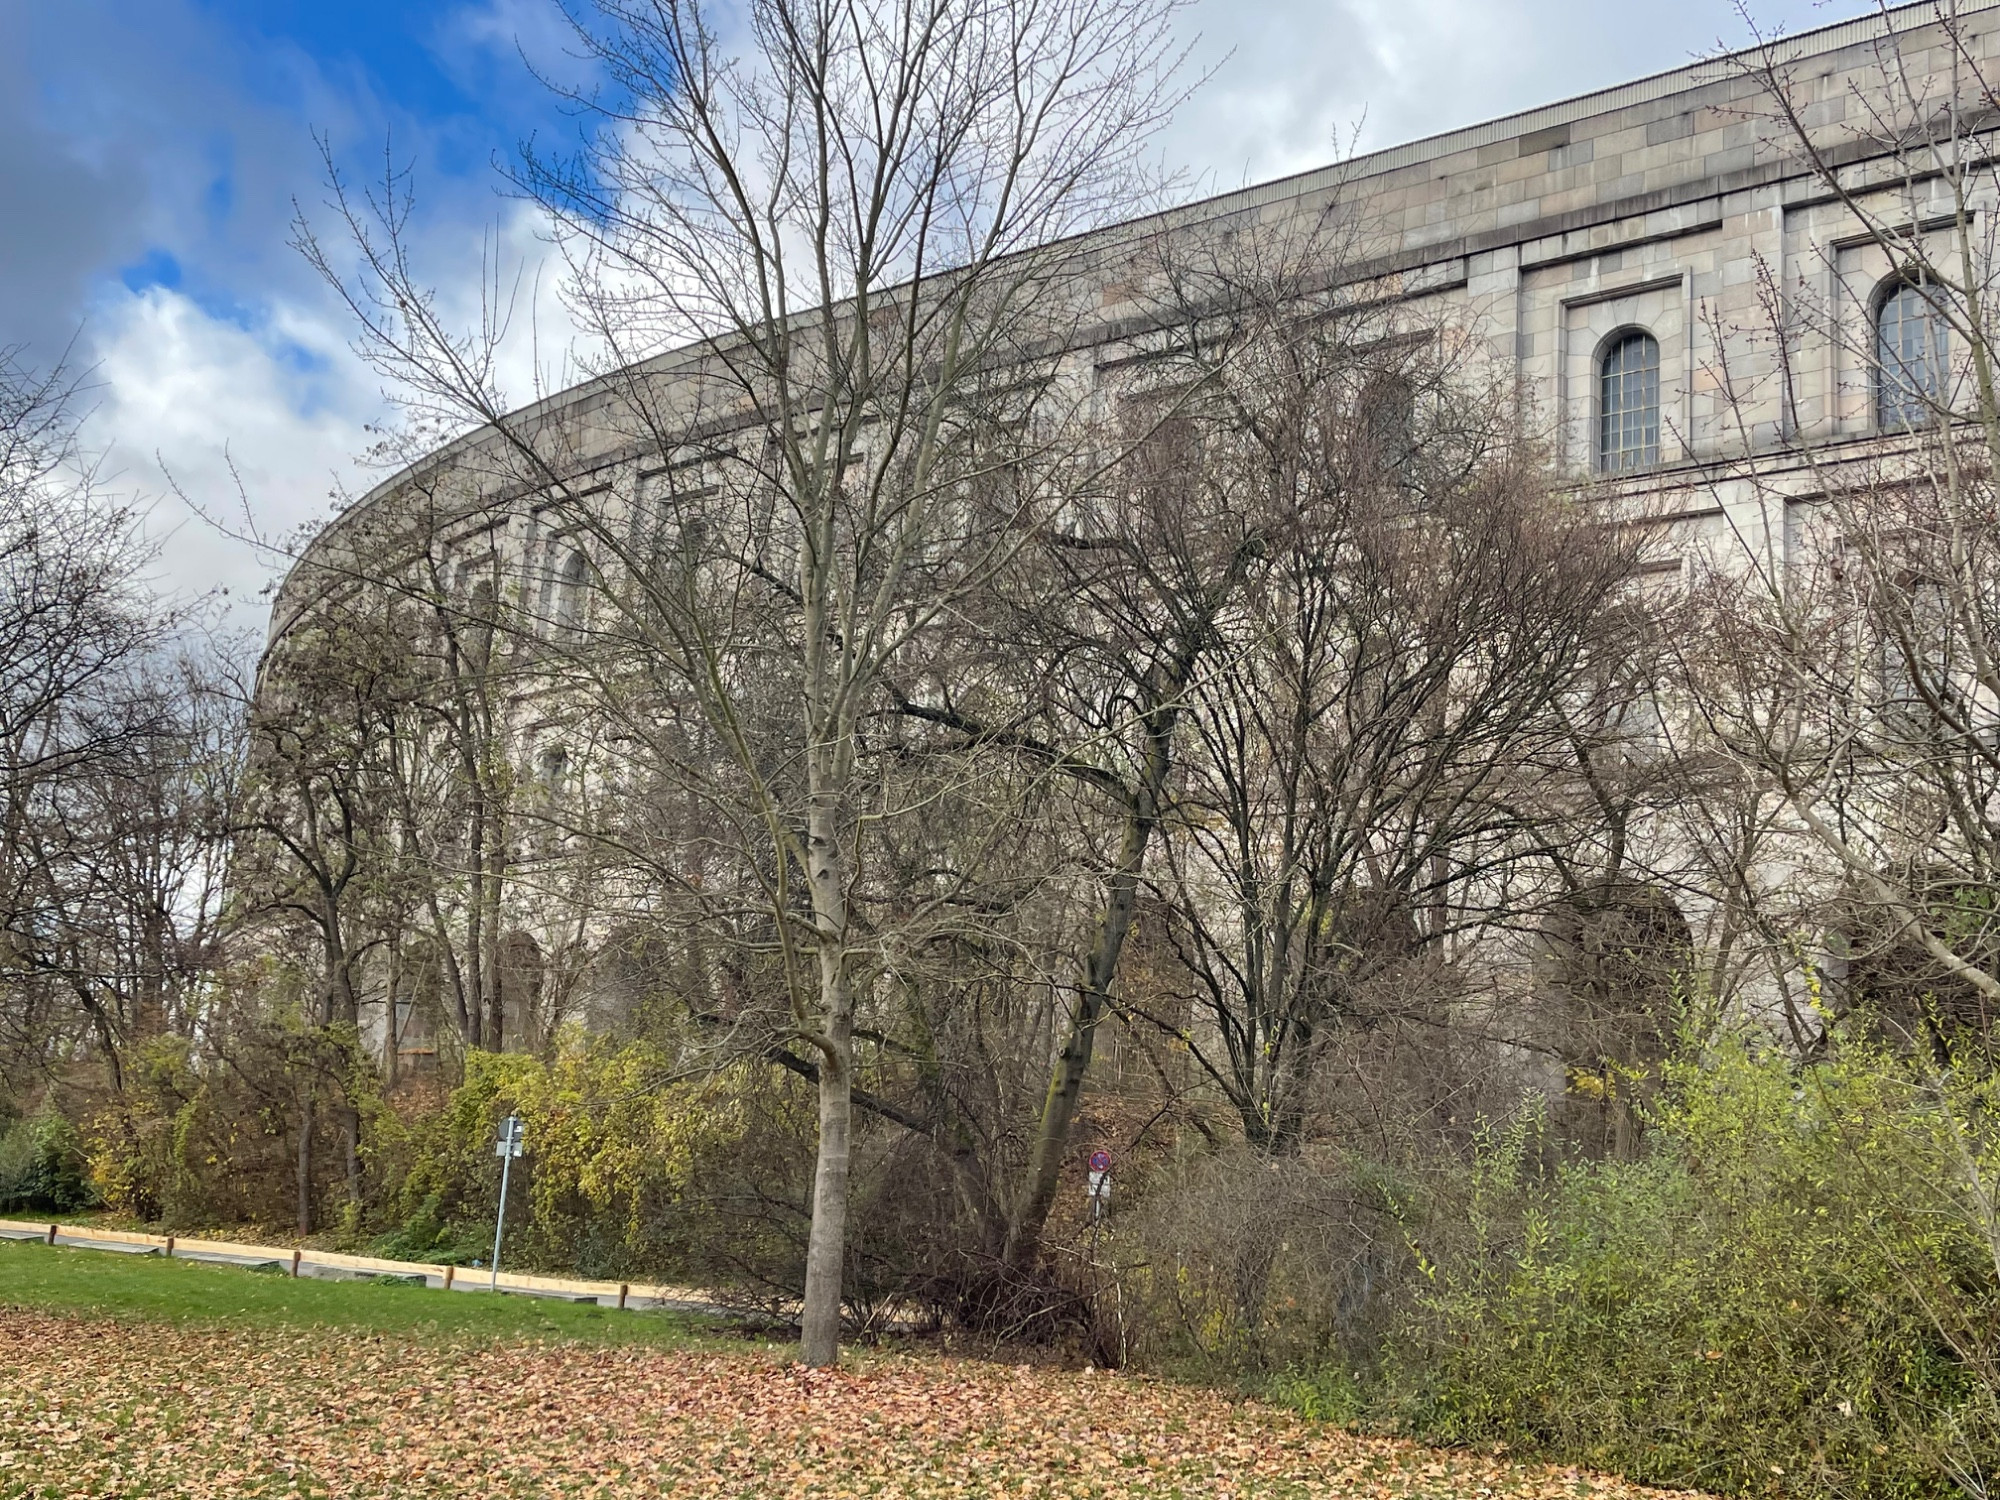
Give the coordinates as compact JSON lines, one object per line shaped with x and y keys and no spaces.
{"x":155,"y":1289}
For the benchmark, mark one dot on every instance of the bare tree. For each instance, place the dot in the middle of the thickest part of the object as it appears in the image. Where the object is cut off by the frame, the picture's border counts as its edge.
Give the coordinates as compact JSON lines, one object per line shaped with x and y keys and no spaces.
{"x":317,"y":840}
{"x":1383,"y":732}
{"x":1844,"y":673}
{"x":857,"y":214}
{"x":116,"y":758}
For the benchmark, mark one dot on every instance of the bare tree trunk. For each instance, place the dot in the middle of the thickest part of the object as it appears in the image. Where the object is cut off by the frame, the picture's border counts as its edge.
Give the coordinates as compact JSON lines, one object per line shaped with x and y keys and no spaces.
{"x":392,"y":1039}
{"x":826,"y":1247}
{"x":351,"y":1151}
{"x":151,"y":1017}
{"x":488,"y":896}
{"x":473,"y":989}
{"x":303,"y":1167}
{"x":342,"y":1006}
{"x":1114,"y":925}
{"x":1038,"y":1194}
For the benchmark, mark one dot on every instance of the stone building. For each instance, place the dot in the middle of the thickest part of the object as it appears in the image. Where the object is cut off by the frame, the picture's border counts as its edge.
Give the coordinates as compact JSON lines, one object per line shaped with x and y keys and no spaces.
{"x":1624,"y":257}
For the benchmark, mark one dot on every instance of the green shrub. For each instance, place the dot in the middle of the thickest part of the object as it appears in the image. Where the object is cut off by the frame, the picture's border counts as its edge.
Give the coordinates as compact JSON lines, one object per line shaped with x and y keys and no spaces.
{"x":143,"y":1145}
{"x":613,"y":1137}
{"x":43,"y":1167}
{"x":428,"y":1236}
{"x":1794,"y":1288}
{"x":200,"y":1138}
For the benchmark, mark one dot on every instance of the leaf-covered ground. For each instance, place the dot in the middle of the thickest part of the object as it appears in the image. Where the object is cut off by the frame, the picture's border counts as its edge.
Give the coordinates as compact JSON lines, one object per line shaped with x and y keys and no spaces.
{"x":91,"y":1405}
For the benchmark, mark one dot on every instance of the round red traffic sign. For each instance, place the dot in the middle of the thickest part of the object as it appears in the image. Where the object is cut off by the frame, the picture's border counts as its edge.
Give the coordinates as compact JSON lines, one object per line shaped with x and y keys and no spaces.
{"x":1100,"y":1161}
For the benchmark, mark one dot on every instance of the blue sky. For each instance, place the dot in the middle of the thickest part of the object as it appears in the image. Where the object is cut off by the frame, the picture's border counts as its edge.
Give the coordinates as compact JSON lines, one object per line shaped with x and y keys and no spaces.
{"x":165,"y":139}
{"x":151,"y":152}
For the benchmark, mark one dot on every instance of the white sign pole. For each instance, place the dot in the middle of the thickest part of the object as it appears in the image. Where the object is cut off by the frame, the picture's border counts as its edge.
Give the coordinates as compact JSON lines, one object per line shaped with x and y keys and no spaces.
{"x":507,"y":1148}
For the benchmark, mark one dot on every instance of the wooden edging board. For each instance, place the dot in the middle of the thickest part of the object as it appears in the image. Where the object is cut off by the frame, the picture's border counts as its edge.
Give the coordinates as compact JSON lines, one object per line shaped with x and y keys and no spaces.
{"x":83,"y":1235}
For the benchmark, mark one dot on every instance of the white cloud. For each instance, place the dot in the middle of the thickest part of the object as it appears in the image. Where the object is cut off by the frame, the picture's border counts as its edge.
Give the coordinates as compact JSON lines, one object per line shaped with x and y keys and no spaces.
{"x":1293,"y":79}
{"x":187,"y":386}
{"x":500,"y":30}
{"x":228,"y":422}
{"x":184,"y":396}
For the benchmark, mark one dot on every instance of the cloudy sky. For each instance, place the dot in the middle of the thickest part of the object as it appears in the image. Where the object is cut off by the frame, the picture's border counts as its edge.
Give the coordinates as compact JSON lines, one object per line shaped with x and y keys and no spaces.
{"x":151,"y":152}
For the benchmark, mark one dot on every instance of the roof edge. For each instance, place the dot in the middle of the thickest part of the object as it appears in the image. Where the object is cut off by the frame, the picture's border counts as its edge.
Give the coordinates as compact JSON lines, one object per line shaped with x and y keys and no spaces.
{"x":1787,"y":47}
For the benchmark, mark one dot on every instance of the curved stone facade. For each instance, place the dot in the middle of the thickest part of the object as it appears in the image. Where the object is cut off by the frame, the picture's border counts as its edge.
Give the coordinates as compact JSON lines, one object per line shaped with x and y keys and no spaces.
{"x":1617,"y":257}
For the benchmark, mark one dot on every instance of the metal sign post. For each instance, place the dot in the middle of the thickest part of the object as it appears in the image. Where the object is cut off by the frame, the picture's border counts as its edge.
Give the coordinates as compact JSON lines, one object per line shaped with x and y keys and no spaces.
{"x":506,"y":1148}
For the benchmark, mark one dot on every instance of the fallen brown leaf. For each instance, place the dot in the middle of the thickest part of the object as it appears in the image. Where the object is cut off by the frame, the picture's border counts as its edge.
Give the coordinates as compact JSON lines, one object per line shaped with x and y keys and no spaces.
{"x":112,"y":1408}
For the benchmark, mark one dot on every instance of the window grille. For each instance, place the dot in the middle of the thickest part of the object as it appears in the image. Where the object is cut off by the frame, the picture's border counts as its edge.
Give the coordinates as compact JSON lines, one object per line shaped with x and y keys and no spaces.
{"x":1628,"y":404}
{"x":1910,"y":349}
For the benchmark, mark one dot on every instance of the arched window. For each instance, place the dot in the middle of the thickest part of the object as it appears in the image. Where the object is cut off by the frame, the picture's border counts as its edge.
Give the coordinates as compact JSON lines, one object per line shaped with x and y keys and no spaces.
{"x":1628,"y":403}
{"x":572,"y":586}
{"x":1910,"y":349}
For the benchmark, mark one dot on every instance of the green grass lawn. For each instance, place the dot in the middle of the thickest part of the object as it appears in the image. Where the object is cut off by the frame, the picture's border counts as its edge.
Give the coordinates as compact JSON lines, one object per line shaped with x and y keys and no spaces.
{"x":184,"y":1291}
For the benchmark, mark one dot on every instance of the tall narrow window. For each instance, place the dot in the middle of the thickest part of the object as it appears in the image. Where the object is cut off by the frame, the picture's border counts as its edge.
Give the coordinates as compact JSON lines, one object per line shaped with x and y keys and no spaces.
{"x":473,"y":620}
{"x":572,"y":585}
{"x":1387,"y":423}
{"x":479,"y":621}
{"x":1916,"y":632}
{"x":1628,"y":404}
{"x":1910,"y":350}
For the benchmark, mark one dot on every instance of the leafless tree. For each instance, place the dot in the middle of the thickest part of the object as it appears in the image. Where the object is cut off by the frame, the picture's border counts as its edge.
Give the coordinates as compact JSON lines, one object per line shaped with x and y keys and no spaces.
{"x":108,"y":853}
{"x":854,"y":214}
{"x":1840,"y":689}
{"x":1386,"y":727}
{"x":1843,"y":672}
